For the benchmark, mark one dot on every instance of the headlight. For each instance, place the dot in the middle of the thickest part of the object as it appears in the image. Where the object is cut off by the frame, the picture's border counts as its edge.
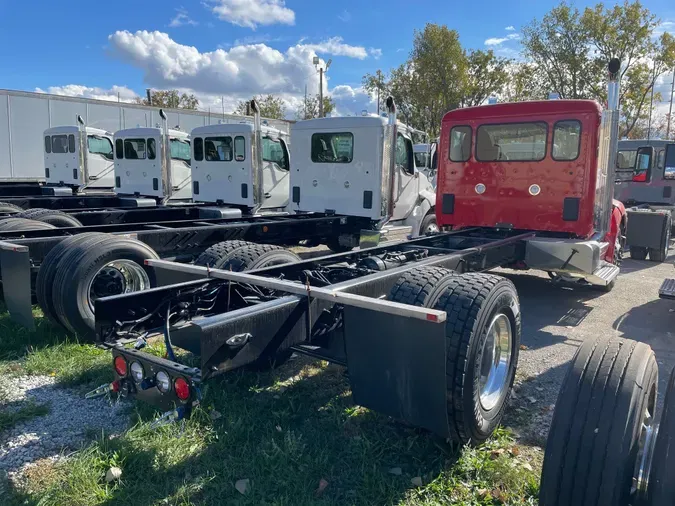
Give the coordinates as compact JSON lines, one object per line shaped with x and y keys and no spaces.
{"x":137,"y":372}
{"x":163,"y":382}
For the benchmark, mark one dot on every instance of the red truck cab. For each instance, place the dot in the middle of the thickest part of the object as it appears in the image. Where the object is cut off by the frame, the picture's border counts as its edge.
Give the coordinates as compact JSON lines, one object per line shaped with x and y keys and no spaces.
{"x":542,"y":166}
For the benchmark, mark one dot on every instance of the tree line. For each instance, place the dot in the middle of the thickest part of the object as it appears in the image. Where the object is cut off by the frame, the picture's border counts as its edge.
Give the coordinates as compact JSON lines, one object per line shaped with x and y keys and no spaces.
{"x":566,"y":52}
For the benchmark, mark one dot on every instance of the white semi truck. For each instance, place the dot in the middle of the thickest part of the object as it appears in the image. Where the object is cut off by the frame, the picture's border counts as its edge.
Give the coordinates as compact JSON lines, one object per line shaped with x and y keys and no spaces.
{"x":78,"y":159}
{"x":343,"y":165}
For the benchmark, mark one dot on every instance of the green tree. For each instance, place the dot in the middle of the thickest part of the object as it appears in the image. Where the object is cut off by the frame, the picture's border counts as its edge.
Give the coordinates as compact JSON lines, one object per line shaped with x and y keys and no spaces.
{"x":524,"y":83}
{"x":270,"y":107}
{"x":309,"y":107}
{"x":170,"y":99}
{"x":487,"y":75}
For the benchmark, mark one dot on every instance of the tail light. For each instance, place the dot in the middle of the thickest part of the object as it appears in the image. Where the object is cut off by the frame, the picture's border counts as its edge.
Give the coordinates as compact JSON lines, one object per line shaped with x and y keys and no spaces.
{"x":120,"y":365}
{"x":182,"y":389}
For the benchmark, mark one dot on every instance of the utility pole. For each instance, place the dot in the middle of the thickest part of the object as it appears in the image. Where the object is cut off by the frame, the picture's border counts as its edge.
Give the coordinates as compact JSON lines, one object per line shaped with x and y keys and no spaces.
{"x":222,"y":105}
{"x":317,"y":63}
{"x":670,"y":110}
{"x":305,"y":117}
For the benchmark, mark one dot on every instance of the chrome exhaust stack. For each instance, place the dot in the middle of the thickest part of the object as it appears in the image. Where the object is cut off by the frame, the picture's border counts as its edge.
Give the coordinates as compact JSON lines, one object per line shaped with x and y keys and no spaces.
{"x":165,"y":147}
{"x":84,"y":167}
{"x":389,"y":165}
{"x":258,"y":190}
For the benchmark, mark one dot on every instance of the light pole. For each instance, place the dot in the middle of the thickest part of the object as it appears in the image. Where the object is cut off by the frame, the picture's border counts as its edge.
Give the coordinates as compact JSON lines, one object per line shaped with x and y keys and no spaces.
{"x":670,"y":111}
{"x":317,"y":64}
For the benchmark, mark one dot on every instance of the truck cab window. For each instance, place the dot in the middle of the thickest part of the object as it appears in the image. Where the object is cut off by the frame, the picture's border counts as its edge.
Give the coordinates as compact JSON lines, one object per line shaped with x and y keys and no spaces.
{"x":566,"y":140}
{"x":421,"y":160}
{"x":625,"y":159}
{"x":274,"y":152}
{"x":643,"y":165}
{"x":71,"y":143}
{"x":404,"y":153}
{"x":333,"y":147}
{"x":180,"y":150}
{"x":48,"y":144}
{"x":199,"y":149}
{"x":460,"y":144}
{"x":218,"y":149}
{"x":669,"y":162}
{"x":239,"y":148}
{"x":119,"y":149}
{"x":100,"y":146}
{"x":152,"y":149}
{"x":660,"y":157}
{"x":521,"y":142}
{"x":59,"y":143}
{"x":134,"y":149}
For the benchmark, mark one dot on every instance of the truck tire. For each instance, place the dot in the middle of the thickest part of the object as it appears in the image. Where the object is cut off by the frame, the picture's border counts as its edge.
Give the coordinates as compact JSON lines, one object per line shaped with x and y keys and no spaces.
{"x":217,"y":255}
{"x":420,"y":287}
{"x":23,"y":224}
{"x":7,"y":208}
{"x":258,"y":256}
{"x":108,"y":267}
{"x":481,"y":309}
{"x":592,"y":447}
{"x":57,"y":218}
{"x":638,"y":253}
{"x":660,"y":255}
{"x":661,"y":489}
{"x":429,"y":224}
{"x":47,"y":271}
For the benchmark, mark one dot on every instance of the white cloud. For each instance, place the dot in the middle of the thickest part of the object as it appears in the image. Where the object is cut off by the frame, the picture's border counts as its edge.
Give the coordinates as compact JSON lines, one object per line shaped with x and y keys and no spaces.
{"x":375,"y":52}
{"x":336,"y":47}
{"x":245,"y":69}
{"x":345,"y":17}
{"x":181,"y":19}
{"x":494,"y":41}
{"x":121,"y":93}
{"x":251,"y":13}
{"x":509,"y":28}
{"x":352,"y":101}
{"x":513,"y":36}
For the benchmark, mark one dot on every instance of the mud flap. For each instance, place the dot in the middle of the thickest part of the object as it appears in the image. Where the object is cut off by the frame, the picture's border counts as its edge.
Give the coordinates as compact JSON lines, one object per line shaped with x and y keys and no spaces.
{"x":16,"y":283}
{"x":396,"y":366}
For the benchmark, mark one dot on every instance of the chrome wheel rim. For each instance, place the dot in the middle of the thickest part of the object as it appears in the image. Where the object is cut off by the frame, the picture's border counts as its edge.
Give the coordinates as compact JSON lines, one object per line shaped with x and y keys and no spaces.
{"x":646,"y":443}
{"x":115,"y":278}
{"x":432,"y":228}
{"x":495,"y":361}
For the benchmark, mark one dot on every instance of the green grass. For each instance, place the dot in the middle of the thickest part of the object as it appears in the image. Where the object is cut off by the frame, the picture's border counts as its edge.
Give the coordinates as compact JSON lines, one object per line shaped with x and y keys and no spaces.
{"x":285,"y":431}
{"x":9,"y":419}
{"x":50,"y":351}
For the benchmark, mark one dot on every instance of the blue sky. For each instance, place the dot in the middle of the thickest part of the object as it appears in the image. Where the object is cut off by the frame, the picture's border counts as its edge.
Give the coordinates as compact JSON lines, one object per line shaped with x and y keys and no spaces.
{"x":235,"y":48}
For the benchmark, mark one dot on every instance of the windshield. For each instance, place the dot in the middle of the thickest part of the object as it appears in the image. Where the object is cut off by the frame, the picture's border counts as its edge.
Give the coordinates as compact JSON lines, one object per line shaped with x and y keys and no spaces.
{"x":100,"y":146}
{"x":180,"y":150}
{"x":626,"y":159}
{"x":421,"y":160}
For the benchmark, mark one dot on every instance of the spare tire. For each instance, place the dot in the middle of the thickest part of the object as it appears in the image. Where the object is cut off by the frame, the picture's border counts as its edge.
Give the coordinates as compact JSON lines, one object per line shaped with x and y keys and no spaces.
{"x":23,"y":224}
{"x":218,"y":254}
{"x":6,"y":207}
{"x":57,"y":218}
{"x":606,"y":399}
{"x":258,"y":256}
{"x":661,"y":487}
{"x":50,"y":264}
{"x":111,"y":266}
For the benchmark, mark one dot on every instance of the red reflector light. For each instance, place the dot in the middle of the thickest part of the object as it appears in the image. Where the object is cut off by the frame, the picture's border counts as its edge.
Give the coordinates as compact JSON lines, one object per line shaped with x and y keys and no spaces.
{"x":120,"y":365}
{"x":182,"y":389}
{"x":432,"y":318}
{"x":115,"y":386}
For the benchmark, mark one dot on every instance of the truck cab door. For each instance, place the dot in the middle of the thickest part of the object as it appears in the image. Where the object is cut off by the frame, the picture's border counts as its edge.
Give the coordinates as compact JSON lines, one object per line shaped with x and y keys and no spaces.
{"x":100,"y":162}
{"x":276,"y":167}
{"x":406,"y":181}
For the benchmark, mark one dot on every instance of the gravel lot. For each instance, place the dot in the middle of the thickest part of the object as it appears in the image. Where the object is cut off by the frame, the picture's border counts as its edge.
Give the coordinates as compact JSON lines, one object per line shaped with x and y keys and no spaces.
{"x":557,"y":320}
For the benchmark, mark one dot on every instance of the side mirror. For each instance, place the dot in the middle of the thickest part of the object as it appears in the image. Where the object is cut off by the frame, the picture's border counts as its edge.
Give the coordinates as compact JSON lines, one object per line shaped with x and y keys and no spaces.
{"x":669,"y":162}
{"x":643,"y":164}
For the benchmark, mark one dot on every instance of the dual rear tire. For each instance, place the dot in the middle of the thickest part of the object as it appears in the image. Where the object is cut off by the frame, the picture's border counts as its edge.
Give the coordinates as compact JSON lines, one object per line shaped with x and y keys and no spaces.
{"x":482,"y":343}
